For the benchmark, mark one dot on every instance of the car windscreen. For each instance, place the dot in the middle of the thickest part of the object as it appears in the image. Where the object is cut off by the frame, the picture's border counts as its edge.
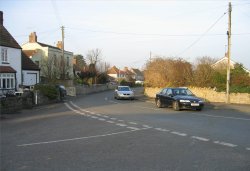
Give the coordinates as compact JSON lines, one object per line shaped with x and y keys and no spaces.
{"x":123,"y":89}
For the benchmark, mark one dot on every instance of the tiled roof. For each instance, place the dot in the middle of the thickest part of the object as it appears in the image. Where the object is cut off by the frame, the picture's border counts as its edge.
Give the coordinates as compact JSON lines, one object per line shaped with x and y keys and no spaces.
{"x":6,"y":39}
{"x":7,"y":69}
{"x":28,"y":64}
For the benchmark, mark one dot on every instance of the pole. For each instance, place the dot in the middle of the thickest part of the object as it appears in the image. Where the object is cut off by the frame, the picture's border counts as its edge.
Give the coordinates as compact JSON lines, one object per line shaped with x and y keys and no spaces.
{"x":228,"y":52}
{"x":62,"y":59}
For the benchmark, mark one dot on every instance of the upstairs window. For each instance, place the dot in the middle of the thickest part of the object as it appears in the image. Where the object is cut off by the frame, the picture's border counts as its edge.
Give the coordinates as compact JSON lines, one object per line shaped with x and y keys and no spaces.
{"x":4,"y":55}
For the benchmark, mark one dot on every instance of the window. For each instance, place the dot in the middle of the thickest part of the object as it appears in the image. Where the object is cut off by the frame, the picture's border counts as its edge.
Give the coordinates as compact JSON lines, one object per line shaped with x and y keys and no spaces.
{"x":4,"y":55}
{"x":169,"y":92}
{"x":7,"y":81}
{"x":67,"y":61}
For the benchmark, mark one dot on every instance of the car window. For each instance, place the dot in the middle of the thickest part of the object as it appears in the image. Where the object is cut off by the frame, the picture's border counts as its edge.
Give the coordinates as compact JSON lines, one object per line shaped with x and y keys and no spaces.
{"x":169,"y":92}
{"x":123,"y":89}
{"x":164,"y":91}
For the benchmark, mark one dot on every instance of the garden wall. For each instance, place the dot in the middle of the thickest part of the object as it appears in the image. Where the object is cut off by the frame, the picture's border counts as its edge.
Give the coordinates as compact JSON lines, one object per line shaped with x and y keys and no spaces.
{"x":209,"y":95}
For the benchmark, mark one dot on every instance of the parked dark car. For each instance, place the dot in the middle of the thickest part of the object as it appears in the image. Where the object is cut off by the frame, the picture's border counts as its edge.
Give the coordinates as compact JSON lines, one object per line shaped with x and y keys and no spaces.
{"x":178,"y":98}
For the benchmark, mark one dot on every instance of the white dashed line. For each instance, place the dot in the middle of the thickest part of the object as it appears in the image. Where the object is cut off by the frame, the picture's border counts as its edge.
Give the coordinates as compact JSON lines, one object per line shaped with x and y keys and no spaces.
{"x":147,"y":126}
{"x":105,"y":116}
{"x":133,"y":123}
{"x":101,"y":119}
{"x":113,"y":118}
{"x":179,"y":133}
{"x":111,"y":122}
{"x":225,"y":144}
{"x":121,"y":120}
{"x":248,"y":149}
{"x":162,"y":129}
{"x":134,"y":128}
{"x":200,"y":138}
{"x":121,"y":125}
{"x":94,"y":117}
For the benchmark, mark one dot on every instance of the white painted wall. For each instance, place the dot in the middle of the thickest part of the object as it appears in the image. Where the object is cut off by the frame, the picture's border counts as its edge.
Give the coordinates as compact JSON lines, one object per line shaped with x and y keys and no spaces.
{"x":15,"y":61}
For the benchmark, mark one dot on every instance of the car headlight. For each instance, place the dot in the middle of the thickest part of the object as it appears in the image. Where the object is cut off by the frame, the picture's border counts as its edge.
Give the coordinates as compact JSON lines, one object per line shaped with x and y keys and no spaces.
{"x":185,"y":101}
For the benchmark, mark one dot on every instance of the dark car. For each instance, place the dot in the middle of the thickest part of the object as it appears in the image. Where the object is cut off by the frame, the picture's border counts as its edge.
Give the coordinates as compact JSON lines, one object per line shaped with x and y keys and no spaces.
{"x":178,"y":98}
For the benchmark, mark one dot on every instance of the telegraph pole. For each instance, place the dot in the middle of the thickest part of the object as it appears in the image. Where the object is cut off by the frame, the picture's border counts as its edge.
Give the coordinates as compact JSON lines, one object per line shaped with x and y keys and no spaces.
{"x":62,"y":59}
{"x":229,"y":52}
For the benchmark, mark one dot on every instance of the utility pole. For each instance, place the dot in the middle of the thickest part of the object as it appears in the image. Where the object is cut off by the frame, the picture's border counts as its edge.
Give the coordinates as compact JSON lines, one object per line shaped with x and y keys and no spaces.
{"x":228,"y":52}
{"x":62,"y":59}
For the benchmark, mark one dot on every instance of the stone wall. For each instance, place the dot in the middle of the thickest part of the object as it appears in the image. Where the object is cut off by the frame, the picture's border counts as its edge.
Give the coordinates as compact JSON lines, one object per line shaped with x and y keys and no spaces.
{"x":208,"y":95}
{"x":82,"y":90}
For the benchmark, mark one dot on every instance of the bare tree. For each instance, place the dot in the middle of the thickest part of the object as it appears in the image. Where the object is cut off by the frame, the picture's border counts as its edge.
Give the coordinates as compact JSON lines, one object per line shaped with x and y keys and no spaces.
{"x":94,"y":56}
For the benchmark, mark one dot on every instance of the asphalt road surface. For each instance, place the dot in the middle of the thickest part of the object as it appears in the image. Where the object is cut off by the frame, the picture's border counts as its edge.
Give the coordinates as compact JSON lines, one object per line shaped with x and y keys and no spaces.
{"x":97,"y":132}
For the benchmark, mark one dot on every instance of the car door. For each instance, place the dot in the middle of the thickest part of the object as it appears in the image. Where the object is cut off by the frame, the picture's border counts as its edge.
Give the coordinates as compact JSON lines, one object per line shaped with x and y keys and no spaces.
{"x":169,"y":97}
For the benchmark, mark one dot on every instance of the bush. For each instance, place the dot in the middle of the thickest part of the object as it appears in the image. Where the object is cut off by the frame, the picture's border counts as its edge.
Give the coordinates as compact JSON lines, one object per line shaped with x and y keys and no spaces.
{"x":49,"y":91}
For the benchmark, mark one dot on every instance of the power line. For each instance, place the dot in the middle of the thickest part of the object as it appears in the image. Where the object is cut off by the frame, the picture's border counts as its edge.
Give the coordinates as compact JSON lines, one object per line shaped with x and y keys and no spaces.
{"x":197,"y":40}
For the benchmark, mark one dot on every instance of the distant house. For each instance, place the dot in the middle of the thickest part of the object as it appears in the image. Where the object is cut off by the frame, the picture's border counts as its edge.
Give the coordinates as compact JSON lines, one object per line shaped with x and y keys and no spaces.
{"x":126,"y":74}
{"x":10,"y":61}
{"x":39,"y":52}
{"x":116,"y":73}
{"x":30,"y":71}
{"x":138,"y":75}
{"x":222,"y":64}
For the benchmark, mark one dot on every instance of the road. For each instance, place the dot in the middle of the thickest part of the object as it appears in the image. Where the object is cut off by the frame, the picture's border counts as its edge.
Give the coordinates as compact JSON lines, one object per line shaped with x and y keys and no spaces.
{"x":96,"y":132}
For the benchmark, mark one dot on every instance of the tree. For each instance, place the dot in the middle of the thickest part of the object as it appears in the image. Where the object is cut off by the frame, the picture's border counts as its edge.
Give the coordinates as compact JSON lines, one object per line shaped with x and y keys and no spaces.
{"x":203,"y":73}
{"x":94,"y":56}
{"x":79,"y":63}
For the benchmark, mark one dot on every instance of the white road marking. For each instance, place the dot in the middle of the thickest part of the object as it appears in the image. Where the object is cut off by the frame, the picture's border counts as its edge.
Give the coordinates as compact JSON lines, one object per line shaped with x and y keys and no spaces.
{"x":134,"y":128}
{"x":105,"y":116}
{"x":178,"y":133}
{"x":121,"y":120}
{"x":248,"y":149}
{"x":147,"y":126}
{"x":225,"y":144}
{"x":111,"y":122}
{"x":162,"y":129}
{"x":133,"y":123}
{"x":113,"y":118}
{"x":224,"y":117}
{"x":79,"y":138}
{"x":200,"y":138}
{"x":76,"y":111}
{"x":121,"y":125}
{"x":94,"y":117}
{"x":101,"y":119}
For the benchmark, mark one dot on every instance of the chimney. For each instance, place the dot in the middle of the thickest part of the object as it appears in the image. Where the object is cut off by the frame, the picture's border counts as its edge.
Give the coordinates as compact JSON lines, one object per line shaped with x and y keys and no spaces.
{"x":33,"y":37}
{"x":1,"y":17}
{"x":59,"y":44}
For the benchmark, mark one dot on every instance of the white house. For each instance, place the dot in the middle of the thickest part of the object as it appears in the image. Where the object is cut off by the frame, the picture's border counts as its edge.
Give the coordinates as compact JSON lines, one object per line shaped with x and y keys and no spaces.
{"x":40,"y":51}
{"x":10,"y":61}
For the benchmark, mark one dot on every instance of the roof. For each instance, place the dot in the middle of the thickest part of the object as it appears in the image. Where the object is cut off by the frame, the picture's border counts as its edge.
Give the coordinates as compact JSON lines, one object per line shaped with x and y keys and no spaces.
{"x":29,"y":53}
{"x":7,"y":69}
{"x":113,"y":70}
{"x":137,"y":71}
{"x":28,"y":64}
{"x":6,"y":39}
{"x":46,"y":45}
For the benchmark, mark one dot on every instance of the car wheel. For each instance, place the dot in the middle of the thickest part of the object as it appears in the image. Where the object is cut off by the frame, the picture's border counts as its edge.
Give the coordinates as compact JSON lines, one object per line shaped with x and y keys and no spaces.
{"x":158,"y":103}
{"x":176,"y":106}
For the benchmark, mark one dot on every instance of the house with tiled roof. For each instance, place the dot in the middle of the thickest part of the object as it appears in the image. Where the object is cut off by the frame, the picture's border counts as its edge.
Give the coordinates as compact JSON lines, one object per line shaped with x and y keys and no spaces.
{"x":10,"y":61}
{"x":40,"y":52}
{"x":116,"y":73}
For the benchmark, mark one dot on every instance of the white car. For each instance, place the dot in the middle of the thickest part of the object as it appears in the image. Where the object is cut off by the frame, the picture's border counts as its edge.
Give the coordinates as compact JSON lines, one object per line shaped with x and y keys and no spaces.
{"x":124,"y":92}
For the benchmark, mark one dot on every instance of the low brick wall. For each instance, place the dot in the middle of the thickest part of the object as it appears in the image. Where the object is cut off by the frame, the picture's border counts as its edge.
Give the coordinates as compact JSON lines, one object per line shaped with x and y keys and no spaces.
{"x":82,"y":90}
{"x":209,"y":95}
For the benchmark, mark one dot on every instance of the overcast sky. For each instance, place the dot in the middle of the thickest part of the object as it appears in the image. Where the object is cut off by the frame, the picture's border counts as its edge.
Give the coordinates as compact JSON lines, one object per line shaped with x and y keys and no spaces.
{"x":126,"y":31}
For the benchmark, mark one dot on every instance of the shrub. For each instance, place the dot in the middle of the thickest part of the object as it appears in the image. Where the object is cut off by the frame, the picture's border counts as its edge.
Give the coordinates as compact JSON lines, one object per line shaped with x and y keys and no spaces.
{"x":49,"y":91}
